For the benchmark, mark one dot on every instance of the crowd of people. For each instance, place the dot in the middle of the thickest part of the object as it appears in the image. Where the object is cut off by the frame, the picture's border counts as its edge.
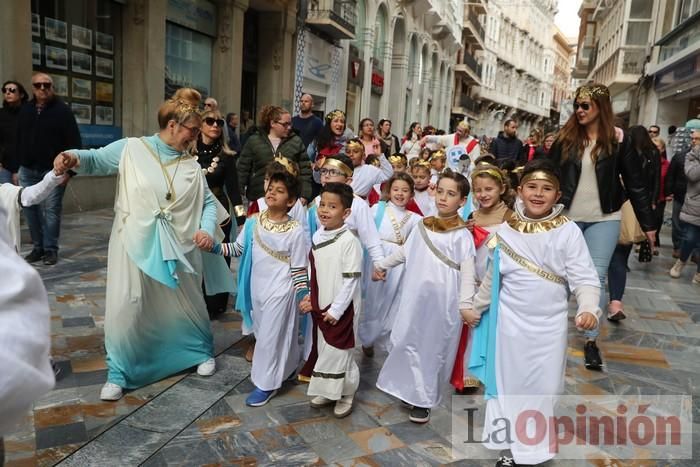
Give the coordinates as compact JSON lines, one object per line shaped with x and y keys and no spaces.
{"x":421,"y":247}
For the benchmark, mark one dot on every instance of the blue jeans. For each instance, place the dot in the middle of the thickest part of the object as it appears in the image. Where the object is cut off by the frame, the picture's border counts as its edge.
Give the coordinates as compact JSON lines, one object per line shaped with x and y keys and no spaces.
{"x":44,"y":220}
{"x":5,"y":176}
{"x":617,"y":272}
{"x":691,"y":241}
{"x":601,"y":238}
{"x":676,"y":226}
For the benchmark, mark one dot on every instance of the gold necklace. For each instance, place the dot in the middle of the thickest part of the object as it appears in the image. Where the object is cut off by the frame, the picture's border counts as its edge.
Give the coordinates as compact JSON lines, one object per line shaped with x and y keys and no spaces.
{"x":168,"y":181}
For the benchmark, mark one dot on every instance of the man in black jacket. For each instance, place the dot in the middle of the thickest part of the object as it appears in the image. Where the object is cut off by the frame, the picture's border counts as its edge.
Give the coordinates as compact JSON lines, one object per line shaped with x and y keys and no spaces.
{"x":46,"y":127}
{"x":506,"y":146}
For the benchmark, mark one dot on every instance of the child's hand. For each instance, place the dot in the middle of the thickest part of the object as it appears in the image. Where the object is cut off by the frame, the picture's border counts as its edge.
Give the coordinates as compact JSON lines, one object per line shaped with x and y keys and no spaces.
{"x":470,"y":225}
{"x":305,"y":304}
{"x":379,"y":275}
{"x":329,"y":319}
{"x":470,"y":317}
{"x":586,"y":321}
{"x":203,"y":240}
{"x":431,"y":189}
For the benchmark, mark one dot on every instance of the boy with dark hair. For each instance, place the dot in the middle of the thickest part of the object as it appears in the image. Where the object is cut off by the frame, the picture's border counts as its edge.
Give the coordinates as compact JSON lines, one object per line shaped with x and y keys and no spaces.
{"x":519,"y":345}
{"x":336,"y":265}
{"x":271,"y":281}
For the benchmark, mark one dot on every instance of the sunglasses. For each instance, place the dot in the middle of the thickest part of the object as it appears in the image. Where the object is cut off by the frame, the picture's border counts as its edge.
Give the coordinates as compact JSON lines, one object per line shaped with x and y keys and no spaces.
{"x":41,"y":85}
{"x":211,"y":121}
{"x":583,"y":105}
{"x":10,"y":90}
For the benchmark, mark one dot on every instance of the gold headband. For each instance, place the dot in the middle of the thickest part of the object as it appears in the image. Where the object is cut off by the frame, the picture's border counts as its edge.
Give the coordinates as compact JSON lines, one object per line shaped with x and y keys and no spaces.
{"x":338,"y":165}
{"x":375,"y":162}
{"x":335,"y":114}
{"x":589,"y":92}
{"x":495,"y":173}
{"x":183,"y":108}
{"x":353,"y":144}
{"x":438,"y":155}
{"x":397,"y":159}
{"x":540,"y":175}
{"x":288,"y":165}
{"x":422,"y":163}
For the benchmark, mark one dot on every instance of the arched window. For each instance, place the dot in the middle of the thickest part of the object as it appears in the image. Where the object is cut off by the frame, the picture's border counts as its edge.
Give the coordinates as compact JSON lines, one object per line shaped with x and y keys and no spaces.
{"x":379,"y":35}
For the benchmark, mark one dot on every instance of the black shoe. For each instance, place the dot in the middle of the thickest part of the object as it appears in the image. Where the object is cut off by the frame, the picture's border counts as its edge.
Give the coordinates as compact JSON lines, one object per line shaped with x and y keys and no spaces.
{"x":50,"y":258}
{"x":34,"y":256}
{"x":419,"y":415}
{"x":506,"y":461}
{"x":592,"y":358}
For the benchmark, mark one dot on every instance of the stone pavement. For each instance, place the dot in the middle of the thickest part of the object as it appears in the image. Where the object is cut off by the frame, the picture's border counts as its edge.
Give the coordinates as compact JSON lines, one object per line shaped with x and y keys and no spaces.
{"x":190,"y":420}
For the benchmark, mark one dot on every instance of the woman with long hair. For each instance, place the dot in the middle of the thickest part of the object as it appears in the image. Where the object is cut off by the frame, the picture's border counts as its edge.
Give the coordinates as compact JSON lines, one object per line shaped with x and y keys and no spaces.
{"x":329,"y":142}
{"x":529,"y":149}
{"x":647,"y":153}
{"x":368,"y":138}
{"x":13,"y":96}
{"x":661,"y":198}
{"x":156,"y":321}
{"x":218,"y":163}
{"x":411,"y":143}
{"x":273,"y":138}
{"x":596,"y":158}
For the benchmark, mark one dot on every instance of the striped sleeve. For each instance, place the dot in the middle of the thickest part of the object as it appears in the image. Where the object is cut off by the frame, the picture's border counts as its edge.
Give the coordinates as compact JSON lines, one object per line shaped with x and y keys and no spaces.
{"x":228,"y":249}
{"x":299,"y":282}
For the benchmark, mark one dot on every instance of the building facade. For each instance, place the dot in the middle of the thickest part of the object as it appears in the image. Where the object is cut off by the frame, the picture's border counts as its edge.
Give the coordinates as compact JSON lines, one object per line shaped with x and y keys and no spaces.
{"x":517,"y":74}
{"x":114,"y":61}
{"x":669,"y":93}
{"x":561,"y":79}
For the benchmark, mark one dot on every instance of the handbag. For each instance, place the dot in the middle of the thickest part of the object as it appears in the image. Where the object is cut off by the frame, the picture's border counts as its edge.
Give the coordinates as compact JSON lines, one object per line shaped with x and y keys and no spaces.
{"x":630,"y":230}
{"x":645,"y":253}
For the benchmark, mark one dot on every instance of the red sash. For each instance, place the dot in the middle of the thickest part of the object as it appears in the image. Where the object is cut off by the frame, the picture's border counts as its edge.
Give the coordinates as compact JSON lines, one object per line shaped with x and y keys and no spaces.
{"x":253,"y":208}
{"x":470,"y":145}
{"x":341,"y":335}
{"x":457,"y":379}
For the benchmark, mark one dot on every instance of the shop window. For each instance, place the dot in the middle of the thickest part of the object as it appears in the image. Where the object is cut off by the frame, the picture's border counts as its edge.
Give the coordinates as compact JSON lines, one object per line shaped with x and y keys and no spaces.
{"x":188,"y":57}
{"x":78,"y":43}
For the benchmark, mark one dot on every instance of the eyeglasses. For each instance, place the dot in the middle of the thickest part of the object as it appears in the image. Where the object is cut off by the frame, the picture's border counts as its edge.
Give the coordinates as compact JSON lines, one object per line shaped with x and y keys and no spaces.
{"x":208,"y":104}
{"x":193,"y":129}
{"x":583,"y":105}
{"x":331,"y":172}
{"x":284,"y":124}
{"x":211,"y":121}
{"x":10,"y":90}
{"x":41,"y":85}
{"x":655,"y":132}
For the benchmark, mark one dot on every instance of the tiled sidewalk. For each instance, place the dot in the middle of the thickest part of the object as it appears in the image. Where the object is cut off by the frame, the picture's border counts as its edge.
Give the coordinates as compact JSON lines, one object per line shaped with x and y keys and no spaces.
{"x":189,"y":420}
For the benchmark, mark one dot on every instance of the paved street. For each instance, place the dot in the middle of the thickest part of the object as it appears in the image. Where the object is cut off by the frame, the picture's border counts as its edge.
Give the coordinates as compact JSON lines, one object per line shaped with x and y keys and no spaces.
{"x":190,"y":420}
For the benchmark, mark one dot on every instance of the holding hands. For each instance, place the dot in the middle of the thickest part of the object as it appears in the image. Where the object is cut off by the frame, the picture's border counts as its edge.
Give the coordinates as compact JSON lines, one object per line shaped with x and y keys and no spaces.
{"x":586,"y":320}
{"x":64,"y":162}
{"x":329,"y":319}
{"x":203,"y":241}
{"x":305,"y":304}
{"x":470,"y":317}
{"x":379,"y":275}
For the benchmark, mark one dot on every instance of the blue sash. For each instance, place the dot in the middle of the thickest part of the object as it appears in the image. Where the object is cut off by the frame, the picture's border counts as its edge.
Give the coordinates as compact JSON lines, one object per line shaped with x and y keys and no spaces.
{"x":482,"y":361}
{"x":381,"y":207}
{"x":467,"y":209}
{"x":313,"y":225}
{"x":244,"y":299}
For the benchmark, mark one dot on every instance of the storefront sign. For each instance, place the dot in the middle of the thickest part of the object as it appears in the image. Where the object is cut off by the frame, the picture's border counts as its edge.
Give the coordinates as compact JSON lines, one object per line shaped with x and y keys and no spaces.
{"x":356,"y":71}
{"x":683,"y":70}
{"x":198,"y":15}
{"x":96,"y":136}
{"x":318,"y":63}
{"x":377,"y":82}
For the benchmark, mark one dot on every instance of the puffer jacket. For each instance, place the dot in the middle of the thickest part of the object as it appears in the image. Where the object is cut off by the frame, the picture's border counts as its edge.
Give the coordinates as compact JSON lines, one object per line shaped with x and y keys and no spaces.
{"x":257,"y":153}
{"x":690,"y":212}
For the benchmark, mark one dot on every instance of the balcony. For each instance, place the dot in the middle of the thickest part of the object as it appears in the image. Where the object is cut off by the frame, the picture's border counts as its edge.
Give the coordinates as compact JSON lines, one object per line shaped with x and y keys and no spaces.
{"x":479,"y":6}
{"x":335,"y":18}
{"x":466,"y":106}
{"x":470,"y":68}
{"x":473,"y":29}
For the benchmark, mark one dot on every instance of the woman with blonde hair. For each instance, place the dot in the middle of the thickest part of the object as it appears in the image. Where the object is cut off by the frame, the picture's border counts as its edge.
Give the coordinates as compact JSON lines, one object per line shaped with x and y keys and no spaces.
{"x":156,"y":321}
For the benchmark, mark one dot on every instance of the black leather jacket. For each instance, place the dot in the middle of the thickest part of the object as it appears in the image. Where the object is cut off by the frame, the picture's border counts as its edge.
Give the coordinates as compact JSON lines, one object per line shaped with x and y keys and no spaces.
{"x":623,"y":164}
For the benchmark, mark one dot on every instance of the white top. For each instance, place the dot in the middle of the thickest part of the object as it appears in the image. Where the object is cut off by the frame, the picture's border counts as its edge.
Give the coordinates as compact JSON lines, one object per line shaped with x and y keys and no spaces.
{"x":585,"y":207}
{"x":365,"y":175}
{"x":24,"y":336}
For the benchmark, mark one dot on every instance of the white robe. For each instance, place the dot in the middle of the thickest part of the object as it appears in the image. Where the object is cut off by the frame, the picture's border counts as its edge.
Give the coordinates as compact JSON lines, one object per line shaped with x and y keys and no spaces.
{"x":532,"y":331}
{"x":275,"y":315}
{"x":425,"y":202}
{"x":381,"y":299}
{"x":365,"y":176}
{"x":24,"y":336}
{"x":336,"y":263}
{"x":428,"y":324}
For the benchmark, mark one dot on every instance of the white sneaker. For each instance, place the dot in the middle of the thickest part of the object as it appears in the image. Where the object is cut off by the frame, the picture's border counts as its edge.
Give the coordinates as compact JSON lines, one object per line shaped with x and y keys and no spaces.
{"x":343,"y":407}
{"x":111,"y":392}
{"x":320,"y":401}
{"x":696,"y":278}
{"x":677,"y":269}
{"x":207,"y":368}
